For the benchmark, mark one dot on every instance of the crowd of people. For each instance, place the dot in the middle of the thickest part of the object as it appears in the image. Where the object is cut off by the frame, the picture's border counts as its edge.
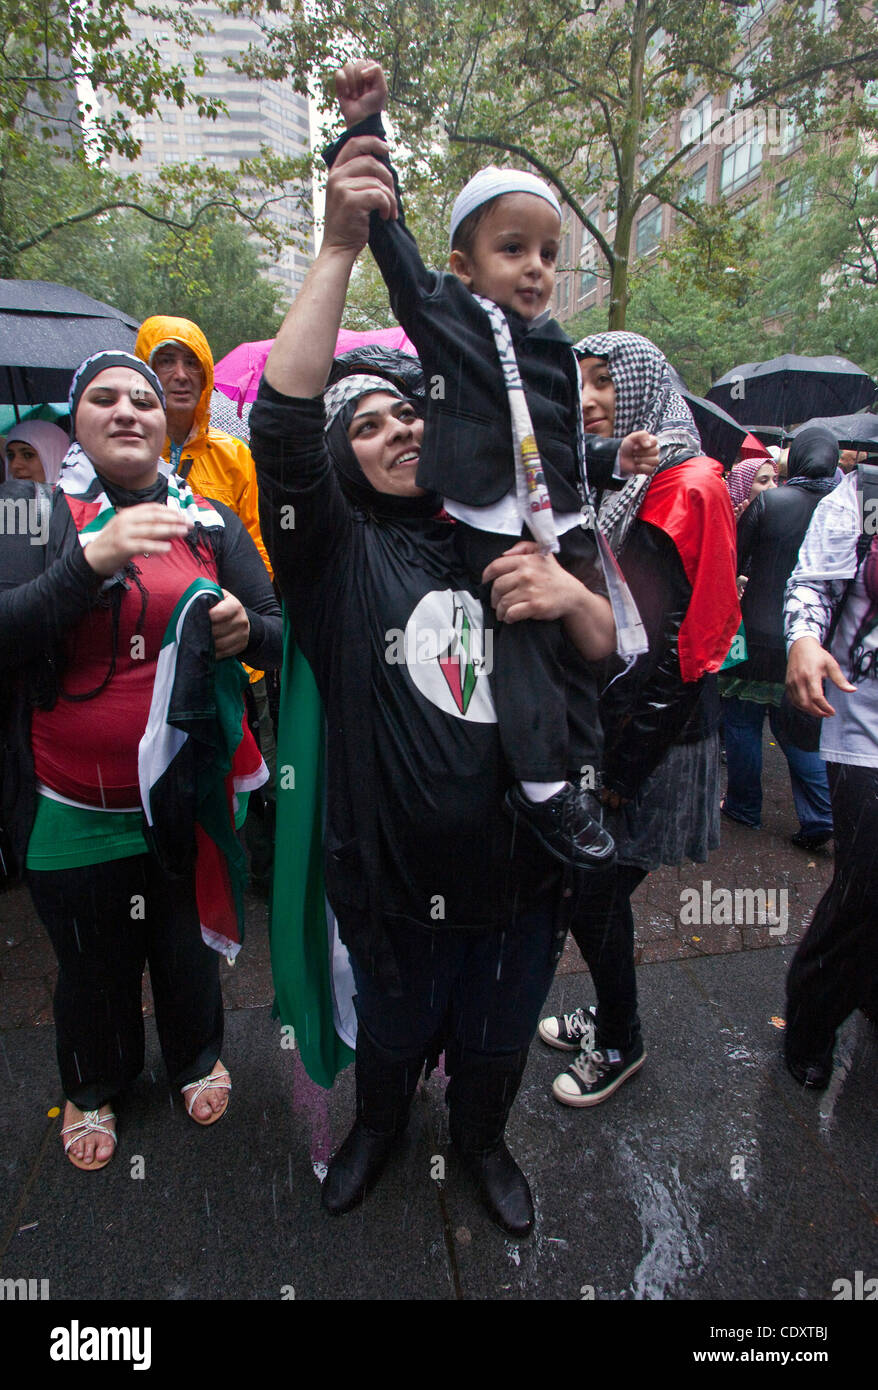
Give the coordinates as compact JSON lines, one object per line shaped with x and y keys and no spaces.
{"x":568,"y":571}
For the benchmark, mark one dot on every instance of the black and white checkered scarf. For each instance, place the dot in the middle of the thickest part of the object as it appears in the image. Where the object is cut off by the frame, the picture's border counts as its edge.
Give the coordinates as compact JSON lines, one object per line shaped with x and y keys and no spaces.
{"x":645,"y":400}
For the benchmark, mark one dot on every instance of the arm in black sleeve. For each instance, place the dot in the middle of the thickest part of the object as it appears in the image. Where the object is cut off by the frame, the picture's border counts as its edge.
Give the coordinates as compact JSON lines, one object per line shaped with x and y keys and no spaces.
{"x":392,"y":244}
{"x":241,"y":571}
{"x":748,"y":532}
{"x":600,"y":461}
{"x":40,"y":603}
{"x":304,"y":518}
{"x":645,"y":710}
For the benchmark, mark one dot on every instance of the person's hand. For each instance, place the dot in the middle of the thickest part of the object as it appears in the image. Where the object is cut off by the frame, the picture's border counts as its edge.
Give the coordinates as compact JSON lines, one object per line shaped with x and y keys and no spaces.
{"x":808,"y":666}
{"x":361,"y":89}
{"x":357,"y":185}
{"x":741,"y":584}
{"x":231,"y":626}
{"x":526,"y":584}
{"x":740,"y":509}
{"x":146,"y":529}
{"x":639,"y":453}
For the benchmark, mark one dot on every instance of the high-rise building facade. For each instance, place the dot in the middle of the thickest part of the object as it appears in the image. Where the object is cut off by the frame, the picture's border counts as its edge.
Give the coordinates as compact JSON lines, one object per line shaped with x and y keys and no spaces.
{"x":259,"y":113}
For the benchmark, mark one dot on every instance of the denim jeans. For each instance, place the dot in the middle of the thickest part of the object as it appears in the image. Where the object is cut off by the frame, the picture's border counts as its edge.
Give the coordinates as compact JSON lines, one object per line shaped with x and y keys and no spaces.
{"x":743,"y":732}
{"x":482,"y":990}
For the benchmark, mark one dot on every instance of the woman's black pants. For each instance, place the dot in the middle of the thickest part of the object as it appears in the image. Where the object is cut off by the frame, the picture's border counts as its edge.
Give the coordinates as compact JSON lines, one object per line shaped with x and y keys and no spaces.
{"x":106,"y":922}
{"x":835,"y":969}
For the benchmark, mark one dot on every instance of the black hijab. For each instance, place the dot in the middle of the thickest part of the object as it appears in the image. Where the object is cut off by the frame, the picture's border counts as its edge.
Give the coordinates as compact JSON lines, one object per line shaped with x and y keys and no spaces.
{"x":813,"y":459}
{"x":405,"y":379}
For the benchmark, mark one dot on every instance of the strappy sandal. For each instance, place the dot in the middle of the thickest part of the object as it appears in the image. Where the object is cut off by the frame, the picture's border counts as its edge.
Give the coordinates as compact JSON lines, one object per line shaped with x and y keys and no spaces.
{"x":220,"y":1081}
{"x":92,"y":1122}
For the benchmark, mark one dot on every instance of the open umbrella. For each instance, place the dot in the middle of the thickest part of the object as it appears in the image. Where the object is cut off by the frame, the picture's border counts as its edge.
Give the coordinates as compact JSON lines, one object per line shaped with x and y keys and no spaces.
{"x":851,"y":431}
{"x":237,"y":374}
{"x":789,"y":389}
{"x":721,"y":436}
{"x":46,"y":330}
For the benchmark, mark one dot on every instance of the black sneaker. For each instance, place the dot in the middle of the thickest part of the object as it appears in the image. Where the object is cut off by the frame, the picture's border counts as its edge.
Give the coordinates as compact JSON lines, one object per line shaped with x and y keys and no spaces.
{"x":804,"y":841}
{"x":568,"y":825}
{"x":571,"y":1032}
{"x":595,"y":1075}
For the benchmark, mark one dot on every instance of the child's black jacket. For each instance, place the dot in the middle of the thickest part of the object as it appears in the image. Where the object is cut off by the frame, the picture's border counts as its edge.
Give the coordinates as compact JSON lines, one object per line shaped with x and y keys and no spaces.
{"x":467,"y":454}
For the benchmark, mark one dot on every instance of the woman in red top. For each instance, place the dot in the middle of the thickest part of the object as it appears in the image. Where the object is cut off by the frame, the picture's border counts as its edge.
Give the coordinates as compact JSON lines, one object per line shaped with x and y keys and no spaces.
{"x":110,"y":645}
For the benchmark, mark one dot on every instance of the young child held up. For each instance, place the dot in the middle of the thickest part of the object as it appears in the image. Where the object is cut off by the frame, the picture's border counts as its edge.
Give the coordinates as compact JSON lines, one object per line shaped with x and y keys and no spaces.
{"x":501,"y":446}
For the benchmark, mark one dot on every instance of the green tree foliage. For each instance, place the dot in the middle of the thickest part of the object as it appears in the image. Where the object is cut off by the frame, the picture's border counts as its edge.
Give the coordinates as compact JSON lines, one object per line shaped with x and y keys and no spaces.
{"x":589,"y":93}
{"x":211,"y":274}
{"x":800,"y":278}
{"x":52,"y":54}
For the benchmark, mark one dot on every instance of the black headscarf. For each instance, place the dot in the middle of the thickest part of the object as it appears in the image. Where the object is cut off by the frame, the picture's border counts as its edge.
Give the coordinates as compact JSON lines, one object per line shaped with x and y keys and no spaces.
{"x":405,"y":379}
{"x":813,"y":459}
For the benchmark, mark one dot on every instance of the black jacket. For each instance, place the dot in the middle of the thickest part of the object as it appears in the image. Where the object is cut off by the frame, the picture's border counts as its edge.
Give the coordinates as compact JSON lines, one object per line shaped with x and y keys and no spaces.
{"x":45,"y":591}
{"x":414,"y":789}
{"x":770,"y":533}
{"x":650,"y":708}
{"x":467,"y":453}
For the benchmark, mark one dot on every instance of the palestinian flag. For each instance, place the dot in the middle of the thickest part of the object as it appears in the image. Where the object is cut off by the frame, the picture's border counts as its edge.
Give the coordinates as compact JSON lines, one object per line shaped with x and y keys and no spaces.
{"x":312,"y":981}
{"x":195,"y":755}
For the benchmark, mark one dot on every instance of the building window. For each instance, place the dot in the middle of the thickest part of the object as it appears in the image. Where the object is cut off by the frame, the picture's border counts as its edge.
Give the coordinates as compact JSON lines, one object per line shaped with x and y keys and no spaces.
{"x":741,"y":162}
{"x":695,"y":121}
{"x":791,"y":205}
{"x":695,"y":187}
{"x":649,"y":231}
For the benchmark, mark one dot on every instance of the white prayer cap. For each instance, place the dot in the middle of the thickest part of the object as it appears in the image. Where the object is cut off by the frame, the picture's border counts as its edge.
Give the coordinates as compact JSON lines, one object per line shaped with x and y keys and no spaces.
{"x":493,"y":183}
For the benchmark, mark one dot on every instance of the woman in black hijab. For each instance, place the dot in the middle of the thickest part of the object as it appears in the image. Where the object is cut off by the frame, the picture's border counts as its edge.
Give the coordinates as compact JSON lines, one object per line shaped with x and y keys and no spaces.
{"x":769,"y":535}
{"x":452,"y":925}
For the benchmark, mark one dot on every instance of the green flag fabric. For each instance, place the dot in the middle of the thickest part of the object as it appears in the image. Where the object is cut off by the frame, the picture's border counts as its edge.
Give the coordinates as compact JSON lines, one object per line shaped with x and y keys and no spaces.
{"x":300,"y":958}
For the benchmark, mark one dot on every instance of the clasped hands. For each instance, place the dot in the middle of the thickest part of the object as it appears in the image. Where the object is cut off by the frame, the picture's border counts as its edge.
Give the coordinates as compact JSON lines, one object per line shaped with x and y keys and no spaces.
{"x":149,"y":529}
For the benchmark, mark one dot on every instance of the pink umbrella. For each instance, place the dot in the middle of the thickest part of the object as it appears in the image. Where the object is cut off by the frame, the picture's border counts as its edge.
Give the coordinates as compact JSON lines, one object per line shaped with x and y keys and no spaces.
{"x":237,"y":374}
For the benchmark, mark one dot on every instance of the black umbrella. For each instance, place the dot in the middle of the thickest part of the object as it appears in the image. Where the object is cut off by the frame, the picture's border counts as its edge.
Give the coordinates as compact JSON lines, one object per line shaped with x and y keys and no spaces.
{"x":46,"y":330}
{"x":790,"y":389}
{"x":721,"y":436}
{"x":769,"y":435}
{"x":851,"y":431}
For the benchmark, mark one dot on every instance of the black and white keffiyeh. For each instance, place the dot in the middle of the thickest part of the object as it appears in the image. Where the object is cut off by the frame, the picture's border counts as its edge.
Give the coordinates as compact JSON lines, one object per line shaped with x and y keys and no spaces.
{"x":350,"y":388}
{"x":645,"y":400}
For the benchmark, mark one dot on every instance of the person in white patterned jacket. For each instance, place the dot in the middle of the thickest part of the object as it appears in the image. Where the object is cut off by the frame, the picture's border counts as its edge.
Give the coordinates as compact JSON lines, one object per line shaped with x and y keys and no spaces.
{"x":831,"y":628}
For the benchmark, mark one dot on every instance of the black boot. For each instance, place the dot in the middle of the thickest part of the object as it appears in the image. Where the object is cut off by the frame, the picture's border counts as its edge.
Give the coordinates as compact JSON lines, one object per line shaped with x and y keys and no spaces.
{"x":480,"y":1095}
{"x":385,"y":1086}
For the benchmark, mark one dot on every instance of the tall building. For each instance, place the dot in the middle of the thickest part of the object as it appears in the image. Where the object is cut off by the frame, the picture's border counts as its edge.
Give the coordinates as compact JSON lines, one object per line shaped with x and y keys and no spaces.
{"x":744,"y":160}
{"x":259,"y":113}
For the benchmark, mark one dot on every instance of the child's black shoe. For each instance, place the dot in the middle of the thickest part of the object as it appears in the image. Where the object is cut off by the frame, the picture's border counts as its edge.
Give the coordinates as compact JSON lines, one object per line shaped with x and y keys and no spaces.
{"x":568,"y":825}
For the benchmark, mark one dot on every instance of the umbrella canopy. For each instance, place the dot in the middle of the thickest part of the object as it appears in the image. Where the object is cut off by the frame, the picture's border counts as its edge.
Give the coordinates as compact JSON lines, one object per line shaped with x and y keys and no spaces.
{"x":851,"y":431}
{"x":46,"y":330}
{"x":721,"y":436}
{"x":237,"y":374}
{"x":790,"y":389}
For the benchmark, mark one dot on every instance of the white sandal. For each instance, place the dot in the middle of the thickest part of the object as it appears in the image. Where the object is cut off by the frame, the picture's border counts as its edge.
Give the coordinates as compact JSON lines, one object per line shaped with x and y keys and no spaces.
{"x":92,"y":1122}
{"x":219,"y":1081}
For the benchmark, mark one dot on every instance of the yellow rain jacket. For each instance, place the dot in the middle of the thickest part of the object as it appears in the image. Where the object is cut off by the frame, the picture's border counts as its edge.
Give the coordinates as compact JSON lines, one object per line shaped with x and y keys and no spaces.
{"x":221,"y":466}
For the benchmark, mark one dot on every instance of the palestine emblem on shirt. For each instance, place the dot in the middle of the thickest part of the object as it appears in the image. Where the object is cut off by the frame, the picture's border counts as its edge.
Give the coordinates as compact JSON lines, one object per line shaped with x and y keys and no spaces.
{"x":449,"y":654}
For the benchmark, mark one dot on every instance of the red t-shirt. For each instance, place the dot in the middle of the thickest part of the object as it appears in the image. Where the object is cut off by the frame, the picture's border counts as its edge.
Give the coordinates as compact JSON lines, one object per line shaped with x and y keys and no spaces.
{"x":87,"y":750}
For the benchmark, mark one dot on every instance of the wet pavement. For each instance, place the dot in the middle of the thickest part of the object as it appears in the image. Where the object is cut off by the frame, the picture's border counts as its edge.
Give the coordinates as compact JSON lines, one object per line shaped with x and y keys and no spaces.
{"x":709,"y":1175}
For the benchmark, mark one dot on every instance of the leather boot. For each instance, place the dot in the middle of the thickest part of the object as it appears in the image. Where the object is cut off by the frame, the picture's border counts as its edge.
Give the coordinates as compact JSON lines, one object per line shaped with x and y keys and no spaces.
{"x":385,"y":1086}
{"x":480,"y":1095}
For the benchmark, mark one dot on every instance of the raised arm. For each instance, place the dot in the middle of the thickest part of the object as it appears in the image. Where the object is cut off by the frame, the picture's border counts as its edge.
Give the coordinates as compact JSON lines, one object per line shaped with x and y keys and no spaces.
{"x":301,"y":357}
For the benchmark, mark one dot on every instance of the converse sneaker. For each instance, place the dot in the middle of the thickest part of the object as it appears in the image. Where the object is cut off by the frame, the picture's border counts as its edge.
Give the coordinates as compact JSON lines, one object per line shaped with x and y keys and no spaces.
{"x":593,"y":1076}
{"x":571,"y":1032}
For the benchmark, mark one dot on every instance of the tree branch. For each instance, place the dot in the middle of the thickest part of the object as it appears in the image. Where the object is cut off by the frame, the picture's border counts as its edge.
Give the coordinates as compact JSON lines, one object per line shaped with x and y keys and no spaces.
{"x":550,"y":174}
